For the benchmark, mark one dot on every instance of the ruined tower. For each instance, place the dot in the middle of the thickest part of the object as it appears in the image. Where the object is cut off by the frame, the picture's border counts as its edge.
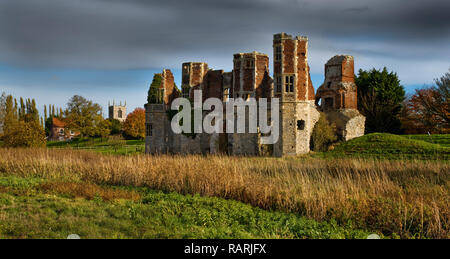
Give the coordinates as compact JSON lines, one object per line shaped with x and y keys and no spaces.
{"x":338,"y":97}
{"x":251,"y":76}
{"x":339,"y":89}
{"x":250,"y":80}
{"x":193,"y":78}
{"x":157,"y":125}
{"x":292,"y":84}
{"x":117,"y":112}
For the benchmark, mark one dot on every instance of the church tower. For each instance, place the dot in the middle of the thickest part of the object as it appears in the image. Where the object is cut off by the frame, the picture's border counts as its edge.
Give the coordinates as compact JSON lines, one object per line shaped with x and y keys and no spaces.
{"x":117,"y":112}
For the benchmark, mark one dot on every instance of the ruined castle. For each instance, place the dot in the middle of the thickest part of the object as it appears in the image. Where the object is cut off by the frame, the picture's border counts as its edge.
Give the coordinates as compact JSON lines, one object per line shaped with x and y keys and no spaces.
{"x":299,"y":106}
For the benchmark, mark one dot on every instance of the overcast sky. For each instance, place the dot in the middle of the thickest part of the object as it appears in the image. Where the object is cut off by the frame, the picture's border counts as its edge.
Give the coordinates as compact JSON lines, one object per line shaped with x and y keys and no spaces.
{"x":109,"y":49}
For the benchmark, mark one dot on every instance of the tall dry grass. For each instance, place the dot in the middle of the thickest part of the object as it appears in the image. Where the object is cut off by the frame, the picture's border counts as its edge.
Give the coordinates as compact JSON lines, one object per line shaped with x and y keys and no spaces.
{"x":409,"y":198}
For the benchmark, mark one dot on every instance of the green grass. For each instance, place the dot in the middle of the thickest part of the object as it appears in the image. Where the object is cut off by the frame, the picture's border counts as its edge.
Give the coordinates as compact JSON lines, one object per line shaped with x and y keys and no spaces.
{"x":375,"y":145}
{"x":389,"y":146}
{"x":28,"y":212}
{"x":101,"y":145}
{"x":90,"y":142}
{"x":441,"y":139}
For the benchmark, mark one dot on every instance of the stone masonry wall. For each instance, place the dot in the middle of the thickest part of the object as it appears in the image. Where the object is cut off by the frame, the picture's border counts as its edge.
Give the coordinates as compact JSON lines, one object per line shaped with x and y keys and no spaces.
{"x":156,"y":119}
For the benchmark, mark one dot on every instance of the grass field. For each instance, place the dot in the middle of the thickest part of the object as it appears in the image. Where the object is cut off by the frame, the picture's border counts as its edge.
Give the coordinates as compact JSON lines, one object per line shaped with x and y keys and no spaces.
{"x":42,"y":208}
{"x":376,"y":145}
{"x":395,"y":198}
{"x":395,"y":186}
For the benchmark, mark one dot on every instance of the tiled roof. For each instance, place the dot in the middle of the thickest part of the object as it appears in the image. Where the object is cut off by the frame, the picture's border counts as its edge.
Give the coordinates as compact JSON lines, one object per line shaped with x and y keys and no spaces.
{"x":58,"y":123}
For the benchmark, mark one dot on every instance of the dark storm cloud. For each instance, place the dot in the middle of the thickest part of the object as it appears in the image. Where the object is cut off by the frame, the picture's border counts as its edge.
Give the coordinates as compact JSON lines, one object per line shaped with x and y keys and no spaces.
{"x":145,"y":34}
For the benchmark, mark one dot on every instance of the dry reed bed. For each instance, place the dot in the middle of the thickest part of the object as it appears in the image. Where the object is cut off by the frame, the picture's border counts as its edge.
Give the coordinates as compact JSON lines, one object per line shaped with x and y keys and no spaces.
{"x":403,"y":197}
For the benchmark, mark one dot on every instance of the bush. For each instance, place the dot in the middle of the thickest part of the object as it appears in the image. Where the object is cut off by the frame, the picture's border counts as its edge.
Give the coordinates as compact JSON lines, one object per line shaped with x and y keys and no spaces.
{"x":323,"y":134}
{"x":152,"y":96}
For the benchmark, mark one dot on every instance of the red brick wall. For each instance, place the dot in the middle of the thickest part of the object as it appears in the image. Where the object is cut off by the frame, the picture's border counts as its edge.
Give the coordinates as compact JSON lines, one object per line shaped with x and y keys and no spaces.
{"x":288,"y":56}
{"x":348,"y":76}
{"x":213,"y":87}
{"x":168,"y":83}
{"x":263,"y":80}
{"x":339,"y":71}
{"x":228,"y":81}
{"x":348,"y":71}
{"x":277,"y":67}
{"x":198,"y":73}
{"x":351,"y":100}
{"x":237,"y":76}
{"x":249,"y":84}
{"x":302,"y":73}
{"x":253,"y":70}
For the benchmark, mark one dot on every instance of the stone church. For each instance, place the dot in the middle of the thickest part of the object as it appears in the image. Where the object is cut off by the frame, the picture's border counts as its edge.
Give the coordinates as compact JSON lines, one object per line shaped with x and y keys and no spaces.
{"x":299,"y":107}
{"x":117,"y":112}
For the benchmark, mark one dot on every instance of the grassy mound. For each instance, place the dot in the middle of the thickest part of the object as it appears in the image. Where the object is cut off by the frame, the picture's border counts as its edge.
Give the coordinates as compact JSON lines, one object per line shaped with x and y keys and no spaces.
{"x":383,"y":145}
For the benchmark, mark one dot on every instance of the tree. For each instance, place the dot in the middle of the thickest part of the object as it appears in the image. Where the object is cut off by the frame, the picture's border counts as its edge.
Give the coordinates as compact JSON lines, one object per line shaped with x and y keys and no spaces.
{"x":116,"y":126}
{"x":25,"y":134}
{"x":21,"y":111}
{"x":48,"y":123}
{"x":441,"y":107}
{"x":11,"y":114}
{"x":45,"y":112}
{"x":116,"y":142}
{"x":103,"y":128}
{"x":31,"y":112}
{"x":21,"y":126}
{"x":380,"y":98}
{"x":2,"y":111}
{"x":152,"y":96}
{"x":84,"y":116}
{"x":428,"y":110}
{"x":323,"y":134}
{"x":134,"y":125}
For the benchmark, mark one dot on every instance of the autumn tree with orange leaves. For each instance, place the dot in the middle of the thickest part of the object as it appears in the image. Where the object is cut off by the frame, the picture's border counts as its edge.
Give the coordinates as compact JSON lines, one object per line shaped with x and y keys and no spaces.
{"x":134,"y":125}
{"x":428,"y":110}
